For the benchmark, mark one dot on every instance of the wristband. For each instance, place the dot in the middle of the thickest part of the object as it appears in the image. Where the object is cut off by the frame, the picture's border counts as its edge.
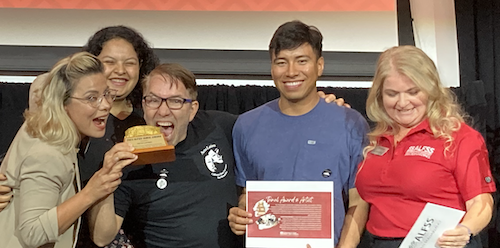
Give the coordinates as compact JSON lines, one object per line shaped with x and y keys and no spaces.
{"x":468,"y":229}
{"x":471,"y":235}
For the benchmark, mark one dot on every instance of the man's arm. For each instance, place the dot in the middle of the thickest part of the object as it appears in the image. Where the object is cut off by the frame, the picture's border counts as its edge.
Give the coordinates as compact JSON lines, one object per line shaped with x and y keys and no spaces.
{"x":104,"y":224}
{"x":238,"y":217}
{"x":355,"y":220}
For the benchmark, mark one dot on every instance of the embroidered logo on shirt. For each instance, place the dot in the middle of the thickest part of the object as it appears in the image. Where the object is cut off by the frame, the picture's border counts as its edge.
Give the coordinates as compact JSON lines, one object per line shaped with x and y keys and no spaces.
{"x":424,"y":151}
{"x":214,"y":161}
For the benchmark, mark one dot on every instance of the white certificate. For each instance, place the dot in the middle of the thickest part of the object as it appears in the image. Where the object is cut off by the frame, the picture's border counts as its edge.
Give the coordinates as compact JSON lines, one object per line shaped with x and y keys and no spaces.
{"x":289,"y":214}
{"x":430,"y":225}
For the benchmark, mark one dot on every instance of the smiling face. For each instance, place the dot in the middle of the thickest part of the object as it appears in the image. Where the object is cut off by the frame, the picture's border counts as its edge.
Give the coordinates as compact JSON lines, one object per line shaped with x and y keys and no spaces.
{"x":295,"y":73}
{"x":121,"y":66}
{"x":403,"y":100}
{"x":173,"y":123}
{"x":88,"y":120}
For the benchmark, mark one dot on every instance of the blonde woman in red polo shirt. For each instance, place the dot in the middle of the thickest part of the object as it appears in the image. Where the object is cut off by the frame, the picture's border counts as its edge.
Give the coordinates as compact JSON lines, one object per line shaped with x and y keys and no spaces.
{"x":420,"y":151}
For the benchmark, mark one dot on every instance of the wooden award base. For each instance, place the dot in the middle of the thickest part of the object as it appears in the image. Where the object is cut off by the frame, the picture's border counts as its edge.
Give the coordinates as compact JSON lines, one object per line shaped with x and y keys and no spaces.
{"x":154,"y":155}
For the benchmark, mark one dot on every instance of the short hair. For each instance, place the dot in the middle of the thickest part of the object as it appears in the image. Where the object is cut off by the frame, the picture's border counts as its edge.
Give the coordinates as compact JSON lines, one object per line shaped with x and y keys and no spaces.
{"x":147,"y":58}
{"x":293,"y":34}
{"x":50,"y":122}
{"x":176,"y":72}
{"x":443,"y":111}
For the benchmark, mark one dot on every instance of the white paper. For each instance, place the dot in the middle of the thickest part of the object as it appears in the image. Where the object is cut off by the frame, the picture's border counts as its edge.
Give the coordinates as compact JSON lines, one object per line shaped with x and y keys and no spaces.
{"x":432,"y":222}
{"x":290,"y":186}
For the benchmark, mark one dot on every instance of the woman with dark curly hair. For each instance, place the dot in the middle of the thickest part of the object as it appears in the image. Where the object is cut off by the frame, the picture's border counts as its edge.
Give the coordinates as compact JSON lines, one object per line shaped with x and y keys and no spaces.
{"x":127,"y":58}
{"x":106,"y":40}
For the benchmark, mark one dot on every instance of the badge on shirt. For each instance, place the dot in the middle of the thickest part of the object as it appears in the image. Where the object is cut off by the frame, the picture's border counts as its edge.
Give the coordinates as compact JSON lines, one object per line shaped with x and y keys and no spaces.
{"x":162,"y":181}
{"x":379,"y":150}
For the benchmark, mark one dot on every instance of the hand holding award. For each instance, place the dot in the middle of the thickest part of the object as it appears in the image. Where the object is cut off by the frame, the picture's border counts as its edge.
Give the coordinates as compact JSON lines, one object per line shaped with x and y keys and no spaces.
{"x":150,"y":145}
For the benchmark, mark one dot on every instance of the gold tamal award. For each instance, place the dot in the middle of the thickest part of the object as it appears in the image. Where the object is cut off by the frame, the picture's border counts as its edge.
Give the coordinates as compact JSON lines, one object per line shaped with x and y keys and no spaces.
{"x":150,"y":145}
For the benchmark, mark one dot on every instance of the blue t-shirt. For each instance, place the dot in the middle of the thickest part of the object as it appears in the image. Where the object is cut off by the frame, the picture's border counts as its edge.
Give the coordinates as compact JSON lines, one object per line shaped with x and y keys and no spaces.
{"x":269,"y":145}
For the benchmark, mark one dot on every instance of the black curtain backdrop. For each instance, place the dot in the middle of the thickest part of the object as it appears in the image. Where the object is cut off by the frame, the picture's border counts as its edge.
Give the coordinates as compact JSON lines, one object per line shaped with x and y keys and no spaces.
{"x":235,"y":100}
{"x":478,"y":30}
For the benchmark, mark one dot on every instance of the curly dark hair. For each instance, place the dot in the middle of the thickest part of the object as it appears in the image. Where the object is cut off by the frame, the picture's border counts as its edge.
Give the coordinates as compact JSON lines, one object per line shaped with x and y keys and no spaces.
{"x":147,"y":59}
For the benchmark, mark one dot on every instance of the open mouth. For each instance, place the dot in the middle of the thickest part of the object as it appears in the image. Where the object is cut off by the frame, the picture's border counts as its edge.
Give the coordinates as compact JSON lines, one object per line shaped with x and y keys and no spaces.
{"x":100,"y":122}
{"x":167,"y":128}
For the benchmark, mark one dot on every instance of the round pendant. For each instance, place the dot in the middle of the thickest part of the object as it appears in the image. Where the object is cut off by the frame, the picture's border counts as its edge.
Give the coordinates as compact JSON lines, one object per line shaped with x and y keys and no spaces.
{"x":161,"y":183}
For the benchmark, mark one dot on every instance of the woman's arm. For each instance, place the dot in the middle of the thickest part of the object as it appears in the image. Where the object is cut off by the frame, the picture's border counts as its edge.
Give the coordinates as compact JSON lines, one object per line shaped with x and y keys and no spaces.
{"x":42,"y":180}
{"x":355,"y":220}
{"x":43,"y":177}
{"x":479,"y":212}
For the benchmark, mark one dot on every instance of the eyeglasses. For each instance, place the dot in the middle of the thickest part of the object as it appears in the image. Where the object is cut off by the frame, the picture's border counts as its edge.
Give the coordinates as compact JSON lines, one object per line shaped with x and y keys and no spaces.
{"x":172,"y":102}
{"x":95,"y":100}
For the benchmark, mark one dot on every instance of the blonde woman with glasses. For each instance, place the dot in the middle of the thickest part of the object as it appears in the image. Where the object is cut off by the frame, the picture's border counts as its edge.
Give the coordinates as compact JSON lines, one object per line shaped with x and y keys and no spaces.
{"x":41,"y":164}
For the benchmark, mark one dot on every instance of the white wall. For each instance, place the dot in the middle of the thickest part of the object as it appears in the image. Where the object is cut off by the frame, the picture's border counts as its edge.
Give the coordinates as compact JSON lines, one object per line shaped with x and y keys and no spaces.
{"x":343,"y":31}
{"x":435,"y":33}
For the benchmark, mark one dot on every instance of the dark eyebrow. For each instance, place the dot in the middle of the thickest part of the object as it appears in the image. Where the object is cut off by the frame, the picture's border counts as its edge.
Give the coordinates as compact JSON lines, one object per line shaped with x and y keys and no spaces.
{"x":153,"y":94}
{"x":303,"y":57}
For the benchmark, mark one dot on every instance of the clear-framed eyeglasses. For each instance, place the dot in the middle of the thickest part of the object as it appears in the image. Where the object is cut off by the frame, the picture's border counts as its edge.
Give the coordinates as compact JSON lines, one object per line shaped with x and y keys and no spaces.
{"x":95,"y":100}
{"x":172,"y":102}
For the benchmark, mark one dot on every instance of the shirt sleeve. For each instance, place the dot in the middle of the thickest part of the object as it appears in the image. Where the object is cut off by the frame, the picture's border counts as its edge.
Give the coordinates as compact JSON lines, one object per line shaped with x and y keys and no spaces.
{"x":123,"y":198}
{"x":243,"y":170}
{"x":472,"y":171}
{"x":358,"y":140}
{"x":43,"y":177}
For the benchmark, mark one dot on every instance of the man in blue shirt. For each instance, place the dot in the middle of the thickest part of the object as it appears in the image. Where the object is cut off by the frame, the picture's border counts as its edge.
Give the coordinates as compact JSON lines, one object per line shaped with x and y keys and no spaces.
{"x":298,"y":137}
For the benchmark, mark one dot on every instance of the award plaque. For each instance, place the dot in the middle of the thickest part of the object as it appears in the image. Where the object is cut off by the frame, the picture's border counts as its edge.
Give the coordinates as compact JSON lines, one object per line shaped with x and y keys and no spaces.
{"x":150,"y":145}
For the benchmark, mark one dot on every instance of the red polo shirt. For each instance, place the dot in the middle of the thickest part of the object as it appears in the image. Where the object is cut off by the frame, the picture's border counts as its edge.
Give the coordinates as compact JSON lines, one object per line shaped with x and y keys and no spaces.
{"x":399,"y":182}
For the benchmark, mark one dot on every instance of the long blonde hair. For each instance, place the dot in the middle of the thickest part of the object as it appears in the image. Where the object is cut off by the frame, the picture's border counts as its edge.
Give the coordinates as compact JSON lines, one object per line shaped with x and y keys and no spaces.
{"x":443,"y":112}
{"x":50,"y":122}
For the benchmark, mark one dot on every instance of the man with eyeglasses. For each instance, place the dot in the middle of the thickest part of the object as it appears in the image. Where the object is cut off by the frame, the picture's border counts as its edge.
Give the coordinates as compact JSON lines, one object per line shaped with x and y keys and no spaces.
{"x":182,"y":203}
